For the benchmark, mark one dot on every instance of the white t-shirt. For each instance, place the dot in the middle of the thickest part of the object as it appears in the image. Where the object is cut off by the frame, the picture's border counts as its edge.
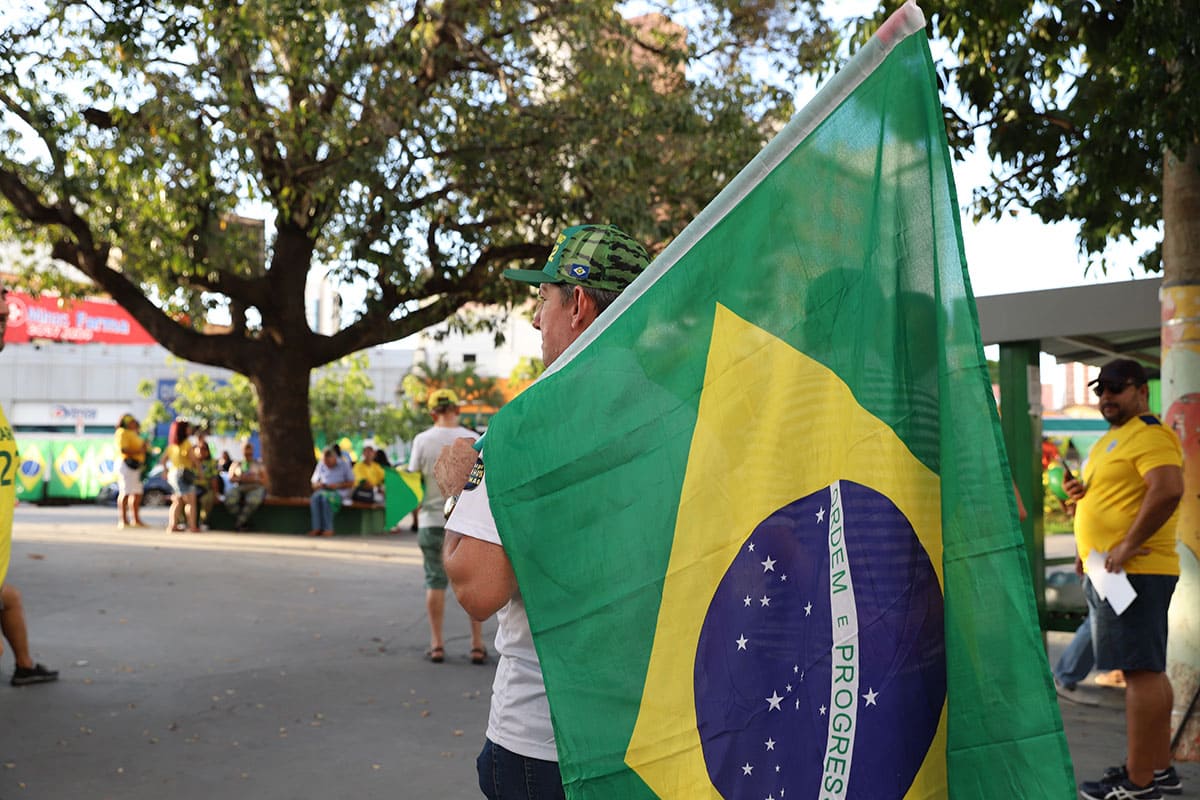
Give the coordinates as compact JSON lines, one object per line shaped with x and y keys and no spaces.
{"x":519,"y":719}
{"x":427,"y":446}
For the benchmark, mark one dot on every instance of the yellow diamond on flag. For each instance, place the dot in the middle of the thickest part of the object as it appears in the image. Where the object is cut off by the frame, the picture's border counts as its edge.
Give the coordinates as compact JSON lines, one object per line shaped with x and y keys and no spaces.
{"x":814,"y":441}
{"x":33,"y":467}
{"x":67,"y":466}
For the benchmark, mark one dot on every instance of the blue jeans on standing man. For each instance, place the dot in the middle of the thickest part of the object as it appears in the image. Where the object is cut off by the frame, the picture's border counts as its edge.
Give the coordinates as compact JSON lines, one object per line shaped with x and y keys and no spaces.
{"x":504,"y":775}
{"x":1078,"y":659}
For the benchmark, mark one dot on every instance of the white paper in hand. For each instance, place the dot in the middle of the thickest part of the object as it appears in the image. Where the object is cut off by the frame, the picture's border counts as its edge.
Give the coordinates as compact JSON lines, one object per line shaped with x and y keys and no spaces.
{"x":1113,"y":587}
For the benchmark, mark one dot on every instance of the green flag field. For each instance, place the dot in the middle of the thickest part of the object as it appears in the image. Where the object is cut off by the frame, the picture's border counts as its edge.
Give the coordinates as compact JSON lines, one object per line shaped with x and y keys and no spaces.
{"x":761,"y":515}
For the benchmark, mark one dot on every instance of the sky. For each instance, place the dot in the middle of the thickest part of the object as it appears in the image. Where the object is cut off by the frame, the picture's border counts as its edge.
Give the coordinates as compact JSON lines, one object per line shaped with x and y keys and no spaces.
{"x":1022,"y":253}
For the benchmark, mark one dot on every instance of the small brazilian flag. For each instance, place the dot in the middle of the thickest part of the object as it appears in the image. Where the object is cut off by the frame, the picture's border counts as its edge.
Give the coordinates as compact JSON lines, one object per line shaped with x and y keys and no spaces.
{"x":761,"y":515}
{"x":402,"y":492}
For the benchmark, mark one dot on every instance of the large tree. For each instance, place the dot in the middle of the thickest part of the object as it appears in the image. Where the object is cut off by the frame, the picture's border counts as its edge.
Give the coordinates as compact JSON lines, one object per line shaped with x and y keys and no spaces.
{"x":1092,"y":111}
{"x":412,"y":149}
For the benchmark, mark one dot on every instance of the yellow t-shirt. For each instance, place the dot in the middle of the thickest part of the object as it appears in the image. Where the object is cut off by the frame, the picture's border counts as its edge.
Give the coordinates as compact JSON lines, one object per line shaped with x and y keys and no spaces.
{"x":371,"y":473}
{"x":9,"y":464}
{"x":129,"y":440}
{"x":1113,"y":475}
{"x":179,"y":456}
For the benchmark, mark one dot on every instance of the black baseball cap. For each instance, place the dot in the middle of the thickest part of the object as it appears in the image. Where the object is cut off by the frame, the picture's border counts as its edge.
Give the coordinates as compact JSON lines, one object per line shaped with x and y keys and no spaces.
{"x":1122,"y":371}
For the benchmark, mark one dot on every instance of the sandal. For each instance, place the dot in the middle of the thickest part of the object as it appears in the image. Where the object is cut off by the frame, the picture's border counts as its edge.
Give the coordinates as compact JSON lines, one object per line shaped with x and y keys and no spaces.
{"x":436,"y":654}
{"x":478,"y":655}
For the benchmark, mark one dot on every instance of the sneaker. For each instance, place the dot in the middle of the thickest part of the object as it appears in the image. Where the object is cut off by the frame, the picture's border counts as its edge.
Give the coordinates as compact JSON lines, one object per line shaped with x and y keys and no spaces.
{"x":1167,"y":780}
{"x":1120,"y":789}
{"x":24,"y":676}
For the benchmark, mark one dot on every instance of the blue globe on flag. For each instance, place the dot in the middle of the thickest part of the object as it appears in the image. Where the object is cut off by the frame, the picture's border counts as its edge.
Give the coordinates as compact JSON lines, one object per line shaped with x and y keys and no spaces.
{"x":820,"y":669}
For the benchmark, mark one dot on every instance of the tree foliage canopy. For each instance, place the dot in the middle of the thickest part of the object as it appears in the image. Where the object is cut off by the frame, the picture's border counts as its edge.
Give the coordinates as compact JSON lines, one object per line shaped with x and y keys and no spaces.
{"x":412,"y":149}
{"x":1080,"y":101}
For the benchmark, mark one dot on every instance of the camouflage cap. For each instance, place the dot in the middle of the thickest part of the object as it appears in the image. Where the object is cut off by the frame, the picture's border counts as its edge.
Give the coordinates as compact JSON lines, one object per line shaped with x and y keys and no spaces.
{"x":595,"y":256}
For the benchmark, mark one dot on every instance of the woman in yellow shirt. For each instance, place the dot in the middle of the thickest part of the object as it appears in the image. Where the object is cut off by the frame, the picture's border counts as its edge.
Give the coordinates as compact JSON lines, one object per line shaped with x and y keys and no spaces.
{"x":181,"y":474}
{"x":129,"y":472}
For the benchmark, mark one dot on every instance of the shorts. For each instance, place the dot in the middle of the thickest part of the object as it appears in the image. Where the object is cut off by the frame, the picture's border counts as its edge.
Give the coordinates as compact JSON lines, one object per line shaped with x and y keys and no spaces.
{"x":1137,"y":639}
{"x":431,"y":540}
{"x":129,"y":481}
{"x":179,"y":486}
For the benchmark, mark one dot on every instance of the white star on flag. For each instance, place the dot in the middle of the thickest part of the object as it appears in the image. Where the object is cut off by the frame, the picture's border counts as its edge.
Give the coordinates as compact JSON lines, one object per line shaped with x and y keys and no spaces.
{"x":821,"y":515}
{"x":870,"y":696}
{"x":774,"y":700}
{"x":746,"y":601}
{"x":770,"y":743}
{"x":808,"y":610}
{"x":750,"y":547}
{"x":768,"y":565}
{"x":822,"y":709}
{"x":765,"y":601}
{"x":741,"y":642}
{"x":747,"y":769}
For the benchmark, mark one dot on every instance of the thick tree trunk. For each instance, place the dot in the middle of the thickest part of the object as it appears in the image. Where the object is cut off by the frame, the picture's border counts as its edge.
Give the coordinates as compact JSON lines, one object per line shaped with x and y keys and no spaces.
{"x":1181,"y":400}
{"x":285,"y":428}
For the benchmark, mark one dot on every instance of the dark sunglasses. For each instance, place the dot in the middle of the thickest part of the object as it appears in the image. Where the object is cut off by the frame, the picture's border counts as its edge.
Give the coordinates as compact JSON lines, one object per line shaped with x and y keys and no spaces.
{"x":1112,"y":388}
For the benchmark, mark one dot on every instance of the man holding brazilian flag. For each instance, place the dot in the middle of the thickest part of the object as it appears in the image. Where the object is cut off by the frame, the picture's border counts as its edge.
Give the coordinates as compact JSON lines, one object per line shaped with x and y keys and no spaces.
{"x":759,"y":512}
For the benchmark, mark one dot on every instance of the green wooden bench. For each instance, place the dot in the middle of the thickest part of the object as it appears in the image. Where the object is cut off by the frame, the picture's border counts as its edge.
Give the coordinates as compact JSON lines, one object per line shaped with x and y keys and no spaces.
{"x":291,"y":515}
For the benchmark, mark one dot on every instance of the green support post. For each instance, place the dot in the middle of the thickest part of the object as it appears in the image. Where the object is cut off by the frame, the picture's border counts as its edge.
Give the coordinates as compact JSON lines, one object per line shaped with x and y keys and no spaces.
{"x":1021,"y":425}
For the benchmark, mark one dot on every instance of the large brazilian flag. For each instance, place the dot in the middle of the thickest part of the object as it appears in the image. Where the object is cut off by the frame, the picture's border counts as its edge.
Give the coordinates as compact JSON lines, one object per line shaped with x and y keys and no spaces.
{"x":761,"y":515}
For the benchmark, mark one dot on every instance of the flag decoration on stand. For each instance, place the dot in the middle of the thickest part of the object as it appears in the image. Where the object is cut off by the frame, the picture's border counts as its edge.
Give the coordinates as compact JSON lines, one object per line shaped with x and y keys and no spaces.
{"x":760,"y":512}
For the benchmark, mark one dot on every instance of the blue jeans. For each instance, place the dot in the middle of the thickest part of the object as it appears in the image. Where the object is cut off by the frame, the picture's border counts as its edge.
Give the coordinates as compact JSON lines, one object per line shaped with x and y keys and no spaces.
{"x":321,"y":511}
{"x":504,"y":775}
{"x":1078,"y":659}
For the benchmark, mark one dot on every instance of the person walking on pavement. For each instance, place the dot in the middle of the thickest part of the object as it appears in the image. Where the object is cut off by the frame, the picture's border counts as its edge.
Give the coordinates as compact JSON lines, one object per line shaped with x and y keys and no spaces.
{"x":588,"y":268}
{"x":12,"y":611}
{"x":16,"y":633}
{"x":1125,"y":517}
{"x":431,"y":531}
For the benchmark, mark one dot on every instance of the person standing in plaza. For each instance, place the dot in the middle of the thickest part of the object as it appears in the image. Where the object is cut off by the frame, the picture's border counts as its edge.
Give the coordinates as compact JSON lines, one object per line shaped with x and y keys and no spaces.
{"x":182,"y":475}
{"x":1126,"y":515}
{"x":129,"y":472}
{"x":588,"y":268}
{"x":431,"y":519}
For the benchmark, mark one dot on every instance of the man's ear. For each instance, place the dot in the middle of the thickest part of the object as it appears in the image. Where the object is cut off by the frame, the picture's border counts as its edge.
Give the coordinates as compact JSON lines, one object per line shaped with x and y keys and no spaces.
{"x":584,"y":312}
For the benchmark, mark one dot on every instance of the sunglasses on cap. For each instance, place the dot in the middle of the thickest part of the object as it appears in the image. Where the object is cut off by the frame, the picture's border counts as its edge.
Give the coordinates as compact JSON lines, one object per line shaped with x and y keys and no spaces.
{"x":1109,"y":386}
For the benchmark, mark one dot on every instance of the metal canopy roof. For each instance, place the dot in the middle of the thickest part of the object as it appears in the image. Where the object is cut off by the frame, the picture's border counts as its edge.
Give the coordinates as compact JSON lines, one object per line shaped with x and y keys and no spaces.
{"x":1091,"y":324}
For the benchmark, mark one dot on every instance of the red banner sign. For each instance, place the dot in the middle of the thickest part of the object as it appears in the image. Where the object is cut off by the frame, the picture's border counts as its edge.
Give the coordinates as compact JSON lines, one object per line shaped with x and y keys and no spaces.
{"x":78,"y":321}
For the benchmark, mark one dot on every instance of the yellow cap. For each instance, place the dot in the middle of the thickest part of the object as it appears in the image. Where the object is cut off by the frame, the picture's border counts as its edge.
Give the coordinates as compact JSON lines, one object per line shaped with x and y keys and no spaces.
{"x":442,"y":398}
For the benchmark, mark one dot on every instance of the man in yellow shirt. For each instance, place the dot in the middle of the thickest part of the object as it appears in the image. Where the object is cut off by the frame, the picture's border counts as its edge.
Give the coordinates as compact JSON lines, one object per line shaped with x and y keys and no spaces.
{"x":9,"y":462}
{"x":1126,"y":510}
{"x":368,"y":474}
{"x":12,"y":612}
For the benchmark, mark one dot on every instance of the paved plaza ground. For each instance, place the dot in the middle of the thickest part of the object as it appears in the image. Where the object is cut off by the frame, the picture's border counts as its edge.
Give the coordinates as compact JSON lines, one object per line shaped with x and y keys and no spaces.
{"x":267,"y":666}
